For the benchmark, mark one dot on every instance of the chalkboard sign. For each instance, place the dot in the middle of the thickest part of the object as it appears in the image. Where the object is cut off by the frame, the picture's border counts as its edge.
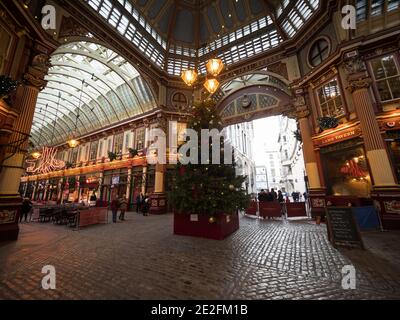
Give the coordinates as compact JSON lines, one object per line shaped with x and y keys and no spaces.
{"x":342,"y":227}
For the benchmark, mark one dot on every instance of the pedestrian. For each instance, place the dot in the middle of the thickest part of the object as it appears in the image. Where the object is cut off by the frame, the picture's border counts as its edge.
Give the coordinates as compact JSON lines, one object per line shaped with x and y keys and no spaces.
{"x":25,"y":209}
{"x":123,"y":206}
{"x":146,"y":205}
{"x":114,"y":208}
{"x":139,"y":199}
{"x":274,"y":195}
{"x":280,"y":197}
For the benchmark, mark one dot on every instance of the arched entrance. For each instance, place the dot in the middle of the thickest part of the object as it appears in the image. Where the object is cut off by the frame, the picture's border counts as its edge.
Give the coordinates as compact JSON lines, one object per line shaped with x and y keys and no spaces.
{"x":258,"y":95}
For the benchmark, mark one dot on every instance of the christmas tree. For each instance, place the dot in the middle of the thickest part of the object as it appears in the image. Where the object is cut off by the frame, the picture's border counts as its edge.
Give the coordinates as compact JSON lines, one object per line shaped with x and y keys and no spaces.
{"x":207,"y":188}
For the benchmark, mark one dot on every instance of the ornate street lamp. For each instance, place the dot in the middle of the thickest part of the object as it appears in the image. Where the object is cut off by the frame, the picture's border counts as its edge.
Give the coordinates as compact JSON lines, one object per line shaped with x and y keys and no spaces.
{"x":189,"y":76}
{"x":211,"y":85}
{"x":214,"y":67}
{"x":73,"y":142}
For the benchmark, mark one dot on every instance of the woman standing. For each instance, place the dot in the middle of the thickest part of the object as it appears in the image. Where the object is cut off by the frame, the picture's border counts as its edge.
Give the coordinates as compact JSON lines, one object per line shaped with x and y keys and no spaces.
{"x":114,"y":208}
{"x":123,"y":206}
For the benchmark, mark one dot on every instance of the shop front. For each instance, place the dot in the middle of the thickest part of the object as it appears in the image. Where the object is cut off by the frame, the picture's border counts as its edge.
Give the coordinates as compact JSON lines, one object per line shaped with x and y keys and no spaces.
{"x":344,"y":166}
{"x":346,"y":169}
{"x":115,"y":184}
{"x":89,"y":189}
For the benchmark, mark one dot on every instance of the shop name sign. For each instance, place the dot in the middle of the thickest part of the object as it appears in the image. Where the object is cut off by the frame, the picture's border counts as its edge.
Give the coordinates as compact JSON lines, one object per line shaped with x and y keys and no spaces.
{"x":333,"y":138}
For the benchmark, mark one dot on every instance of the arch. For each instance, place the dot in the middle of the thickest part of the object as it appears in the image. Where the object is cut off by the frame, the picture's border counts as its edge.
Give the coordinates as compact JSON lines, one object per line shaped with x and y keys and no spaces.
{"x":264,"y":101}
{"x":90,"y":75}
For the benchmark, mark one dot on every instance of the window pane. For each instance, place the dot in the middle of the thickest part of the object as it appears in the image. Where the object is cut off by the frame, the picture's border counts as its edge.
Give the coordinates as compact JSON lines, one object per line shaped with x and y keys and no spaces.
{"x":390,"y":66}
{"x":394,"y":84}
{"x":384,"y":90}
{"x":378,"y":70}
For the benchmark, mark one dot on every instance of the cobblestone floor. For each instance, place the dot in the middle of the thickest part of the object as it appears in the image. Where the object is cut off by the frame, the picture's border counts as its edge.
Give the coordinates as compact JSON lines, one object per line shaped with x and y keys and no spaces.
{"x":142,"y":259}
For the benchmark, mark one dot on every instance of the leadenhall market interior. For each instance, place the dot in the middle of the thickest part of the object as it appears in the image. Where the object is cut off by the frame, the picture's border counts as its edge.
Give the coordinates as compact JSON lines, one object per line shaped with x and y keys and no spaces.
{"x":86,"y":84}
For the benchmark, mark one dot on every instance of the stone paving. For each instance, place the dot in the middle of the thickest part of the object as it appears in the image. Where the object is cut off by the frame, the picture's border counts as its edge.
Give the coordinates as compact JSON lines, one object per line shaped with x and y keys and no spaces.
{"x":141,"y":259}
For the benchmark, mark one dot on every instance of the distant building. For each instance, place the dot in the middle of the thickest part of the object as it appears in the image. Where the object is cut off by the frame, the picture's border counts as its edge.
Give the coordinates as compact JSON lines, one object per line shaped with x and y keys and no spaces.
{"x":274,"y":169}
{"x":261,"y":178}
{"x":241,"y":136}
{"x":291,"y":154}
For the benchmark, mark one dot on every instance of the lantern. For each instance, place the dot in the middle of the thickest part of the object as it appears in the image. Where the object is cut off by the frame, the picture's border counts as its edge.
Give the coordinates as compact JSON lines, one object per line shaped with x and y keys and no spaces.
{"x":214,"y":67}
{"x":36,"y":155}
{"x":73,"y":143}
{"x":189,"y":76}
{"x":211,"y":85}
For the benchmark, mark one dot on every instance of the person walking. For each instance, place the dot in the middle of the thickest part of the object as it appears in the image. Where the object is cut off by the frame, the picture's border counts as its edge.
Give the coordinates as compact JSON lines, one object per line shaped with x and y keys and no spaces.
{"x":146,"y":205}
{"x":123,"y":206}
{"x":280,"y":197}
{"x":25,"y":209}
{"x":139,"y":200}
{"x":114,"y":208}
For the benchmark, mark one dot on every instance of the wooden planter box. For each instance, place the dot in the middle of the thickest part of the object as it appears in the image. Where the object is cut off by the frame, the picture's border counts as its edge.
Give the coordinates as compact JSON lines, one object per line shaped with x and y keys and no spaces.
{"x":199,"y":225}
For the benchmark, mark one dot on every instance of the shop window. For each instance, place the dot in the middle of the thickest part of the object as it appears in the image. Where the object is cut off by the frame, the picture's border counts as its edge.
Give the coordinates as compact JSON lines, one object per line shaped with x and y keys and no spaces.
{"x":127,"y":142}
{"x":393,"y":140}
{"x":319,"y":52}
{"x":346,"y":170}
{"x":74,"y":155}
{"x":93,"y":150}
{"x":386,"y":73}
{"x":330,"y":100}
{"x":140,"y":136}
{"x":118,"y":142}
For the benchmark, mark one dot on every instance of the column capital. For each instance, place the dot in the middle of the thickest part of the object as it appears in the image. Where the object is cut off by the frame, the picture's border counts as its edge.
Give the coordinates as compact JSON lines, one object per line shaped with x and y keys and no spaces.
{"x":37,"y":71}
{"x":358,"y":83}
{"x":357,"y":74}
{"x":300,"y":109}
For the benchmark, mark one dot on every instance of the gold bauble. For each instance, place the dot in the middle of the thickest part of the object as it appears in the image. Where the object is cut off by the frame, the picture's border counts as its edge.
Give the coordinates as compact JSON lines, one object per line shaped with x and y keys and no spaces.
{"x":212,"y":220}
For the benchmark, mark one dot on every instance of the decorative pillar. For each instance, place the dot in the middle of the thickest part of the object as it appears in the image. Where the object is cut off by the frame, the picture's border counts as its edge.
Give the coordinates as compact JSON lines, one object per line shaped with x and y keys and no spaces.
{"x":46,"y":187}
{"x":317,"y":191}
{"x":144,"y":179}
{"x":158,"y":198}
{"x":33,"y":196}
{"x":12,"y":167}
{"x":128,"y":187}
{"x":59,"y":189}
{"x":385,"y":191}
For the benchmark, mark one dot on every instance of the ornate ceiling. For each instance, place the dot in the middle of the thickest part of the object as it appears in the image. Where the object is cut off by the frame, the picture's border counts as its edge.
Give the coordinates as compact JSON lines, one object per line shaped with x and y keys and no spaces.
{"x":195,"y":23}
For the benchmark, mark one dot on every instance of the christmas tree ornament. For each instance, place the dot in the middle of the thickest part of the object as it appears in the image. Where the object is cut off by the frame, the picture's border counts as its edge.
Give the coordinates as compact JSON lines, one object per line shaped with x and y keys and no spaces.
{"x":231,"y":187}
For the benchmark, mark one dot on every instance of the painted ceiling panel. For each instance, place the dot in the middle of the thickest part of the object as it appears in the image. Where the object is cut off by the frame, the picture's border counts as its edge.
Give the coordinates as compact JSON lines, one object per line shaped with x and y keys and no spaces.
{"x":213,"y":18}
{"x":156,"y":8}
{"x":184,"y":27}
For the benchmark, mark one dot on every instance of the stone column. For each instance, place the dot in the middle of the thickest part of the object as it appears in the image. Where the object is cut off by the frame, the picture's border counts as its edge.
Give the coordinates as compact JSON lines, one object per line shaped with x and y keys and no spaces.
{"x":359,"y":83}
{"x":144,"y":179}
{"x":385,"y":190}
{"x":317,"y":191}
{"x":46,"y":187}
{"x":128,"y":187}
{"x":60,"y":191}
{"x":158,"y":198}
{"x":12,"y":167}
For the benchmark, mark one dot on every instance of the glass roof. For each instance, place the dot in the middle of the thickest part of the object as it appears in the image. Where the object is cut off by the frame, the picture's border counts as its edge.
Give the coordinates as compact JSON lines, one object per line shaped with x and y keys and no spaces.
{"x":181,"y":34}
{"x":95,"y":80}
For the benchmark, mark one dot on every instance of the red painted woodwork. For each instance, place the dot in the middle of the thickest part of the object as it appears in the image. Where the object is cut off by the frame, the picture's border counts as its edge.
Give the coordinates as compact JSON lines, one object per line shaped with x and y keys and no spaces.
{"x":224,"y":226}
{"x":296,"y":209}
{"x":270,"y":209}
